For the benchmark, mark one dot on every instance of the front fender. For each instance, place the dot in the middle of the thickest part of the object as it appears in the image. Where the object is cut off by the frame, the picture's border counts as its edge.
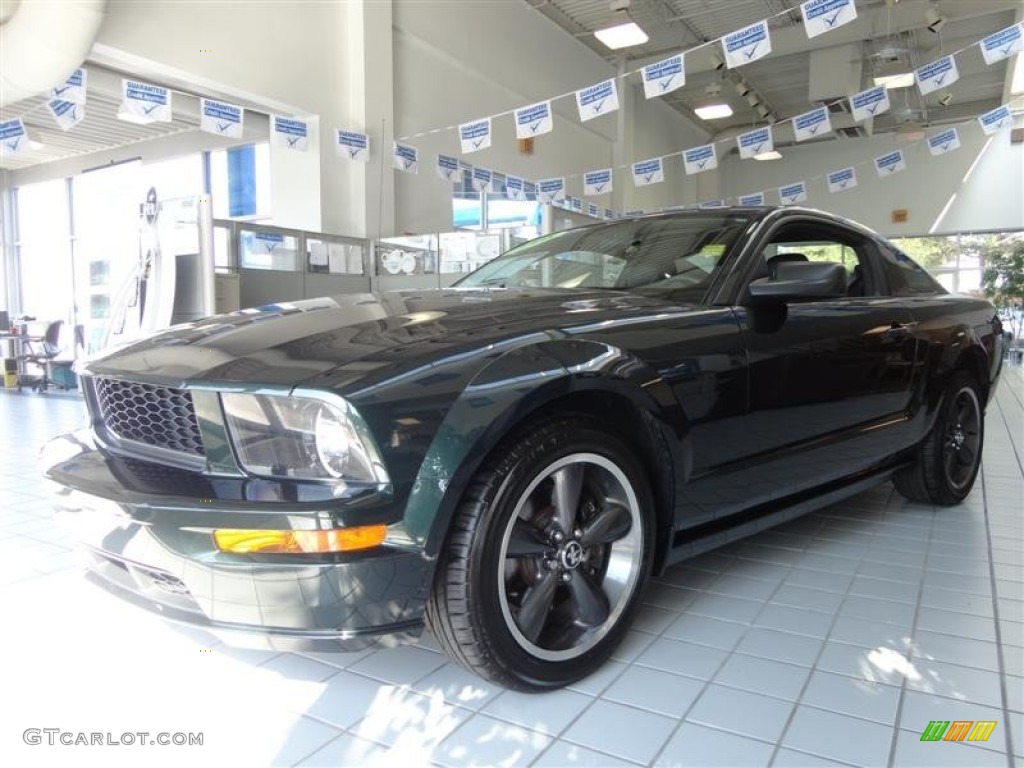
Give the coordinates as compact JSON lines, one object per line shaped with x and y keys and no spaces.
{"x":505,"y":393}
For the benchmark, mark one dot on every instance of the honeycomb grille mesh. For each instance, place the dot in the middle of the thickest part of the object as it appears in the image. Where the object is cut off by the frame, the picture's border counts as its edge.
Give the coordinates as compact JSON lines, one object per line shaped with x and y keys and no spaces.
{"x":160,"y":416}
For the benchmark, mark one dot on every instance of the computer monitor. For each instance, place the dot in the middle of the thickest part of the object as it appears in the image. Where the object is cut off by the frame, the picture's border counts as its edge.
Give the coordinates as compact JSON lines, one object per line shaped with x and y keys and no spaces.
{"x":5,"y":321}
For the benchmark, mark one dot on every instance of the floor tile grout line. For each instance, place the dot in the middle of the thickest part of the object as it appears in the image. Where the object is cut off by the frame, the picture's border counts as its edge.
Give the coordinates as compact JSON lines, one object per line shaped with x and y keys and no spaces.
{"x":725,"y":660}
{"x":901,"y":697}
{"x":1008,"y":736}
{"x":814,"y":668}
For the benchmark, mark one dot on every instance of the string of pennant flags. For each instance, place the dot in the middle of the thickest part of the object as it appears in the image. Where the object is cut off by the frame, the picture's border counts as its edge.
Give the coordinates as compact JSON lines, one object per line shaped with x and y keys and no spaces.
{"x":740,"y":47}
{"x":146,"y":103}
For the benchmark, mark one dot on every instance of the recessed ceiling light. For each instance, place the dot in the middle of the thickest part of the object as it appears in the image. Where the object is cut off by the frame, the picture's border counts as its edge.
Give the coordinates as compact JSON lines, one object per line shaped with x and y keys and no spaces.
{"x":770,"y":155}
{"x":622,"y":35}
{"x":898,"y":80}
{"x":37,"y":145}
{"x":713,"y":111}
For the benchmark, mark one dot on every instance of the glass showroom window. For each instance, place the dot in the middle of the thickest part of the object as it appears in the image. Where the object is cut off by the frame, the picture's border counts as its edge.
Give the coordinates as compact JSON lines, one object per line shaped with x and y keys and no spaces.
{"x":106,"y":209}
{"x":43,"y":242}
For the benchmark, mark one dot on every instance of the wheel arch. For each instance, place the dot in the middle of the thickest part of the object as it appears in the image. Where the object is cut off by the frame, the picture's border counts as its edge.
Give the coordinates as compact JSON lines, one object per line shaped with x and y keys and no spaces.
{"x":529,"y":384}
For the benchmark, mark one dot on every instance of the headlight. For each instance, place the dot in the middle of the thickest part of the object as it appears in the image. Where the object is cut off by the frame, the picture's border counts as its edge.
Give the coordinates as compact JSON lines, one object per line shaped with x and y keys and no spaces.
{"x":301,"y":437}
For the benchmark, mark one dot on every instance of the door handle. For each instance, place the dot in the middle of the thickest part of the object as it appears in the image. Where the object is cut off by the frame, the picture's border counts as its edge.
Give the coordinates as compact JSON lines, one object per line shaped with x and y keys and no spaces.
{"x":899,"y":331}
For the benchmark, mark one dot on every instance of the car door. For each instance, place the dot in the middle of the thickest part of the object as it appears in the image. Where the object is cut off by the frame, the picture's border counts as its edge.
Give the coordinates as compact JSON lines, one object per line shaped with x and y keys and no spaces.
{"x":829,"y":379}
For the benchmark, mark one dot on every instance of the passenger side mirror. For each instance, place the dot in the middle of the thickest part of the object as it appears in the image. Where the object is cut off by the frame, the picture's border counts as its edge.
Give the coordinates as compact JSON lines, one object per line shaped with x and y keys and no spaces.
{"x":801,"y":280}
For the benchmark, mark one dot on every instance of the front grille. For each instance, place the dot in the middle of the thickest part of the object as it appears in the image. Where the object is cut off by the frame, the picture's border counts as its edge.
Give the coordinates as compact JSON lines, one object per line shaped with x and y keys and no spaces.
{"x":153,"y":415}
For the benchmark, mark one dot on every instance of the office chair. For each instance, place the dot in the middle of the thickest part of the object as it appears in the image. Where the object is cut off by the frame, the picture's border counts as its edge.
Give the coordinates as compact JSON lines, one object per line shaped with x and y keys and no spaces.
{"x":44,"y":354}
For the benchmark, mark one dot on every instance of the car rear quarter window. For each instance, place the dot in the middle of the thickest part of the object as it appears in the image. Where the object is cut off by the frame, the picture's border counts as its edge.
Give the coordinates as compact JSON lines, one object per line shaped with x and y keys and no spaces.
{"x":905,"y":276}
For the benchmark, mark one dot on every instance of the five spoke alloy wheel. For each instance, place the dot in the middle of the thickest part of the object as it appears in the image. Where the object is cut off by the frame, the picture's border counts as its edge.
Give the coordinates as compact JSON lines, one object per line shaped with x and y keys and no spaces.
{"x":947,"y":460}
{"x":550,"y":547}
{"x":570,"y":556}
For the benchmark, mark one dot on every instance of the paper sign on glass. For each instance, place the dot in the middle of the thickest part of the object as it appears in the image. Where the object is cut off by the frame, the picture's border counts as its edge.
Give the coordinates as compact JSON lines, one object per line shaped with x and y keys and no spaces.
{"x":72,"y":89}
{"x":995,"y":120}
{"x":890,"y":163}
{"x":593,"y":210}
{"x":869,"y":103}
{"x":550,"y":190}
{"x":13,"y":139}
{"x":648,"y":172}
{"x":712,"y":204}
{"x":811,"y":124}
{"x":821,"y":16}
{"x":405,"y":157}
{"x":475,"y":135}
{"x":793,"y":193}
{"x":609,"y":214}
{"x":752,"y":200}
{"x":1002,"y":44}
{"x":221,"y":118}
{"x":597,"y":100}
{"x":533,"y":120}
{"x":66,"y":113}
{"x":514,"y":188}
{"x":841,"y":180}
{"x":289,"y":133}
{"x":597,"y":182}
{"x":746,"y":45}
{"x":448,"y":168}
{"x":664,"y":76}
{"x":482,"y":180}
{"x":150,"y":103}
{"x":353,"y":145}
{"x":700,"y":159}
{"x":575,"y":205}
{"x":944,"y":142}
{"x":941,"y":73}
{"x":755,"y":142}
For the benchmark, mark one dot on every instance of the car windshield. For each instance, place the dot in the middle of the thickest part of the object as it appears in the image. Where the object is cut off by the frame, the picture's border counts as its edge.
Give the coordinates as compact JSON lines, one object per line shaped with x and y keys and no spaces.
{"x":671,"y":254}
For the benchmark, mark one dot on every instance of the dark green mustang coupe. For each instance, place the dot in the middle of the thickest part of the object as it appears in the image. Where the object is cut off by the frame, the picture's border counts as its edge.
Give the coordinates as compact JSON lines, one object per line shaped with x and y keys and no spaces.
{"x":508,"y":461}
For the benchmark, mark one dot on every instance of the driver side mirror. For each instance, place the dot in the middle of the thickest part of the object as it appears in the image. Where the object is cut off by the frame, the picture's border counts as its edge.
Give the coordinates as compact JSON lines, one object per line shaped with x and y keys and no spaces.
{"x":800,"y":281}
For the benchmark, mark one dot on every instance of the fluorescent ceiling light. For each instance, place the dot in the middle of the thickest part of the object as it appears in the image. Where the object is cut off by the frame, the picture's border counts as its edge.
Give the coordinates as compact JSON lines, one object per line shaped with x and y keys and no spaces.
{"x":898,"y":80}
{"x":131,"y":117}
{"x":771,"y":155}
{"x":36,"y":145}
{"x":622,"y":35}
{"x":713,"y":111}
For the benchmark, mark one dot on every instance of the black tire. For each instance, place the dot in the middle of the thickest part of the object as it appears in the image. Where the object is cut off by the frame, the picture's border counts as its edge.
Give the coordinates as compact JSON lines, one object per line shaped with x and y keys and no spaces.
{"x":948,"y":458}
{"x":517,"y":599}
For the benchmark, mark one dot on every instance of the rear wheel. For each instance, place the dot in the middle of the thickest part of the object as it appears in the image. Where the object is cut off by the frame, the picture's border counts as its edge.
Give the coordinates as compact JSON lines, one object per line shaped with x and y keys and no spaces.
{"x":949,"y":457}
{"x":549,"y":549}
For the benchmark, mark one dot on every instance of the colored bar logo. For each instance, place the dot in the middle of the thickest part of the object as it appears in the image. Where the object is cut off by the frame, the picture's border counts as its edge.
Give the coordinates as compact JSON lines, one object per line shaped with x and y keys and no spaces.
{"x":958,"y":730}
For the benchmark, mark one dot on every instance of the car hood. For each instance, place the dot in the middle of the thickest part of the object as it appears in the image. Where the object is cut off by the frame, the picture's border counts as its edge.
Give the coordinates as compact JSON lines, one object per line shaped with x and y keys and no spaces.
{"x":288,"y":343}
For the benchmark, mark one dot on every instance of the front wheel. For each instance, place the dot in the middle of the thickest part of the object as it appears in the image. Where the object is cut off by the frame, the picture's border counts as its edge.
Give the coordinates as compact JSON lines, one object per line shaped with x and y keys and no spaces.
{"x":948,"y":459}
{"x":549,"y":549}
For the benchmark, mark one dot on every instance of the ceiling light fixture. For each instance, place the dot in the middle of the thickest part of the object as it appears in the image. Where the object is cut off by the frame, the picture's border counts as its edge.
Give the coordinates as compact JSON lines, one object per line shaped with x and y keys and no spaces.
{"x":131,"y":117}
{"x":895,"y":80}
{"x":713,"y":107}
{"x":771,"y":155}
{"x":624,"y":32}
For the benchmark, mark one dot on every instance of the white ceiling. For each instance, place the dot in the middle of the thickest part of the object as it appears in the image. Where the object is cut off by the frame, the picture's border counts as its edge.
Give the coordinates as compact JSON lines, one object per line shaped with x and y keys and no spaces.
{"x":886,"y":33}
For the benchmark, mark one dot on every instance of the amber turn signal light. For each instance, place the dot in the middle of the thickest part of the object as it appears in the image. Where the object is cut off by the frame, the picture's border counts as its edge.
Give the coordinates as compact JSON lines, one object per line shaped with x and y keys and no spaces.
{"x":294,"y":542}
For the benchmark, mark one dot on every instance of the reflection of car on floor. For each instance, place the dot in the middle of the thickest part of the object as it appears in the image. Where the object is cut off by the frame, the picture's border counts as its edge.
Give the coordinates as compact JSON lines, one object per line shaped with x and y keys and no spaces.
{"x":509,"y":460}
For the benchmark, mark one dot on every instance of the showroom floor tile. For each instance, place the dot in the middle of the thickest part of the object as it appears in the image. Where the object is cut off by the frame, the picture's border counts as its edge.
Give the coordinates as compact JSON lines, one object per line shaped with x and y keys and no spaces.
{"x":832,"y":640}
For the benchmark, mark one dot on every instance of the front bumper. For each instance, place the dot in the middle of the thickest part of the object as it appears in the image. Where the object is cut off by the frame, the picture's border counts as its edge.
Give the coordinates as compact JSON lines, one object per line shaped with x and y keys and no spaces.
{"x":157,"y":552}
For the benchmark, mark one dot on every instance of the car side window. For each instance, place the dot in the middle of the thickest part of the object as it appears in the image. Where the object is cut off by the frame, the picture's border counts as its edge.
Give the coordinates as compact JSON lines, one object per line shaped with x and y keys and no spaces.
{"x":905,"y":276}
{"x":808,"y":241}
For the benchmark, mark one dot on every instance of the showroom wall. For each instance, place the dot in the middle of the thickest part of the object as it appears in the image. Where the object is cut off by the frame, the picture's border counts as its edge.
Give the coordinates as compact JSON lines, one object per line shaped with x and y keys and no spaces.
{"x":991,"y":198}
